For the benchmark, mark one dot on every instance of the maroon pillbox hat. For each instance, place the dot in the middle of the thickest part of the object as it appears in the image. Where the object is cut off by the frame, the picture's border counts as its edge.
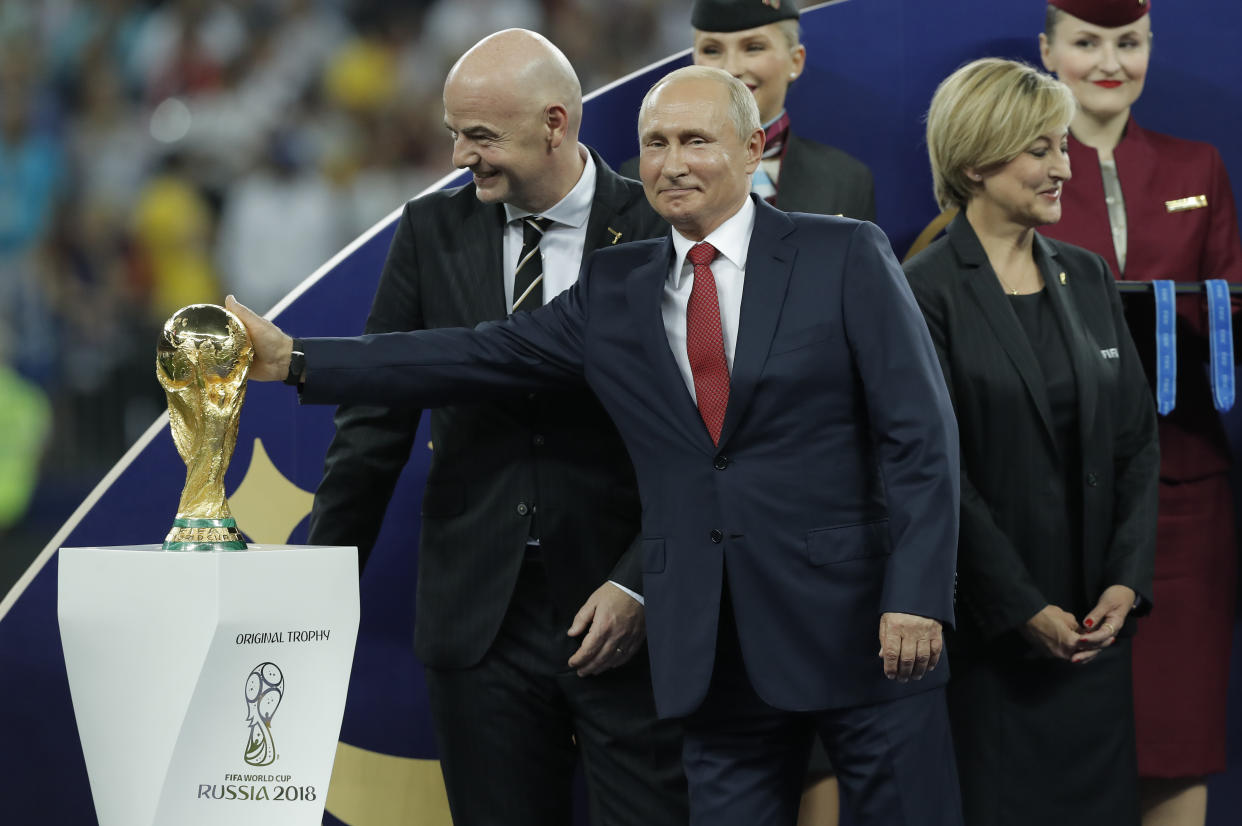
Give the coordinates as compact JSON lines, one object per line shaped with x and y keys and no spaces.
{"x":1107,"y":13}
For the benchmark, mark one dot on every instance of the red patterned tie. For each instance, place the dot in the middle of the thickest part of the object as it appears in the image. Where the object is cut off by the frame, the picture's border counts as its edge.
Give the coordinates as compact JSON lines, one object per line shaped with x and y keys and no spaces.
{"x":705,"y":342}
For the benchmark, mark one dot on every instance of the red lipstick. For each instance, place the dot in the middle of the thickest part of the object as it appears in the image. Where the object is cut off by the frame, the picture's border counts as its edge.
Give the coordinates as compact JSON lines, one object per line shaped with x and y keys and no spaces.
{"x":1107,"y":84}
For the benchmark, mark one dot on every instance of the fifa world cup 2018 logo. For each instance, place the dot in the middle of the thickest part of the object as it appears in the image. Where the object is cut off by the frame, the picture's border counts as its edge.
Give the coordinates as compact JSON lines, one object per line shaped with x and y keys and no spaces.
{"x":202,"y":360}
{"x":264,"y":688}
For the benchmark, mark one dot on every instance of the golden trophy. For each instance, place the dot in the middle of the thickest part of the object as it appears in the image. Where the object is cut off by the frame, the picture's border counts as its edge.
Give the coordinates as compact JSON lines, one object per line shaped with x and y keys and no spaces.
{"x":202,"y":360}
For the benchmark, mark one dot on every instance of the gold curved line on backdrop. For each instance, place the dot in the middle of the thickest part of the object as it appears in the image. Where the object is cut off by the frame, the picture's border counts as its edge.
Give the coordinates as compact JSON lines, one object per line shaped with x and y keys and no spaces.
{"x":930,"y":232}
{"x":373,"y":789}
{"x":266,"y":505}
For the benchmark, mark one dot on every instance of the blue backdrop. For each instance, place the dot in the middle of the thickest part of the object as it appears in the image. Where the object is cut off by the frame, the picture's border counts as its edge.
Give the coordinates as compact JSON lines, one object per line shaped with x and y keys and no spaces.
{"x":872,"y":66}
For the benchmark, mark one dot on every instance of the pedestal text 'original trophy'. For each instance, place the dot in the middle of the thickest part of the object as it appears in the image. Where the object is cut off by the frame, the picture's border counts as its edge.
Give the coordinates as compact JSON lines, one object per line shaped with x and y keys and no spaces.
{"x":202,"y":360}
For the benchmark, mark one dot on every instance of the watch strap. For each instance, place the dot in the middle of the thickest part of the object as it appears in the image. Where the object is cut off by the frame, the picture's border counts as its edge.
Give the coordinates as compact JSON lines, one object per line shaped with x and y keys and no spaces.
{"x":297,"y":364}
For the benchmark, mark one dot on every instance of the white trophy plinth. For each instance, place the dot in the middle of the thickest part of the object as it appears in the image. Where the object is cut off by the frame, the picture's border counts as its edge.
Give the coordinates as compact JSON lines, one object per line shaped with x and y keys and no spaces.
{"x":209,"y":687}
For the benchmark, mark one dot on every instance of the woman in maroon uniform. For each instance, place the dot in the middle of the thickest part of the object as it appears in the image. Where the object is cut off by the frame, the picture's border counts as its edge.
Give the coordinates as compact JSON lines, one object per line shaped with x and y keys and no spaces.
{"x":1158,"y":207}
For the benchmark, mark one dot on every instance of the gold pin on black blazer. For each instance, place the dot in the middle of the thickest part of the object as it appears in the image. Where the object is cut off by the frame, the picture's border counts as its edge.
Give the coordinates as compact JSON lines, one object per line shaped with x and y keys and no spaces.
{"x":1013,"y":490}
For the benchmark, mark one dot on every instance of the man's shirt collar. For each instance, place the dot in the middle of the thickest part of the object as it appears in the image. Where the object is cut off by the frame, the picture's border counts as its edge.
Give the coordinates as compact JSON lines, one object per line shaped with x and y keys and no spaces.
{"x":574,"y":209}
{"x":731,"y":240}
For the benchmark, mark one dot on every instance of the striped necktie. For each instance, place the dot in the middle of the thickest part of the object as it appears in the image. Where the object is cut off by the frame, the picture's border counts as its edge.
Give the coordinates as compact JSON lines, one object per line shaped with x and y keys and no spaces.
{"x":528,"y":277}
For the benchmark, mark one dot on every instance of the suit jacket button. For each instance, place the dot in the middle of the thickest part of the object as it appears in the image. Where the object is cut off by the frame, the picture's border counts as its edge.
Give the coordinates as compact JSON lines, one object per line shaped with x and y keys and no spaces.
{"x":717,"y":536}
{"x":537,"y":440}
{"x":721,"y":462}
{"x":523,"y":508}
{"x":1092,"y":480}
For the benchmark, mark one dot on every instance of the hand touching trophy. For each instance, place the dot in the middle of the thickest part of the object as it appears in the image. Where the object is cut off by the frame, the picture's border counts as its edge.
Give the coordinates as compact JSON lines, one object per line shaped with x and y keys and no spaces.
{"x":202,"y":360}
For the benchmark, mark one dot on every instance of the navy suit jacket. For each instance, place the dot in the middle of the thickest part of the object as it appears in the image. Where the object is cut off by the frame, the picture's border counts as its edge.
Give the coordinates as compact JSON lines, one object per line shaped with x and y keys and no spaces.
{"x":832,"y":496}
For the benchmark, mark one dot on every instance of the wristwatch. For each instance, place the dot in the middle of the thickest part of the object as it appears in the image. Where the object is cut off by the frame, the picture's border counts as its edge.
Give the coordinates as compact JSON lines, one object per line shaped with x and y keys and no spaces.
{"x":297,"y":365}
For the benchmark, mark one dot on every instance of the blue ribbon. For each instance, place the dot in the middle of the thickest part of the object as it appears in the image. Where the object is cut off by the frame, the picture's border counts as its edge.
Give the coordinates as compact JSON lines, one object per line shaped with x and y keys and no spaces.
{"x":1220,"y":331}
{"x":1166,"y":346}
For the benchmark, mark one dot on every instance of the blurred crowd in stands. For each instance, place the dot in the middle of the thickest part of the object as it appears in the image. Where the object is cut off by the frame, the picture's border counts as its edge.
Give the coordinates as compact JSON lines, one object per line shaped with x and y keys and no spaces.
{"x":156,"y":154}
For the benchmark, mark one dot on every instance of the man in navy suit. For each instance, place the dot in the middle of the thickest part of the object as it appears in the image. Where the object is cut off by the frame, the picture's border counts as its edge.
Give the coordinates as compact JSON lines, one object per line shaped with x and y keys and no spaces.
{"x":531,"y":508}
{"x":796,"y":454}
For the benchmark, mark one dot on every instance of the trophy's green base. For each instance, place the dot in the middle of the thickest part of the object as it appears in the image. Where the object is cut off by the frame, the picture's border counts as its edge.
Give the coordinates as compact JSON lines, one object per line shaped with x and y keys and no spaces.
{"x":204,"y":535}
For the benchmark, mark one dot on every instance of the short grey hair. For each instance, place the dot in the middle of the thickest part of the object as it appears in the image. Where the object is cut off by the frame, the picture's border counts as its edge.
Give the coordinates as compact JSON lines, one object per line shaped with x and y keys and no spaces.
{"x":743,"y":111}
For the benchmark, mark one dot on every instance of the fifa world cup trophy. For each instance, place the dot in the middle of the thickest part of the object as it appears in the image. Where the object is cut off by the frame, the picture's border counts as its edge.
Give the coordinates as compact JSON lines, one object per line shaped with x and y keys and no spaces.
{"x":202,"y":360}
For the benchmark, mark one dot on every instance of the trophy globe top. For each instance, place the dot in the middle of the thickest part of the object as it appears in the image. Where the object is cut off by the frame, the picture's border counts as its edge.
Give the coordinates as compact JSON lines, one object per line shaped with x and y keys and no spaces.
{"x":207,"y":336}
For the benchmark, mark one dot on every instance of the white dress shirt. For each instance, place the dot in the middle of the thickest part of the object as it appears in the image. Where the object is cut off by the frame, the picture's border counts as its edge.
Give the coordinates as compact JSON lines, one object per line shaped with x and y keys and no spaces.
{"x":732,"y":241}
{"x":563,"y":241}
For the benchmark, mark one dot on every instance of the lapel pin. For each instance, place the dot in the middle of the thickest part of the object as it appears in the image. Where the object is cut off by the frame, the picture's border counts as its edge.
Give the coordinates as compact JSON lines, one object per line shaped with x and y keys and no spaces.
{"x":616,"y":236}
{"x":1062,"y":279}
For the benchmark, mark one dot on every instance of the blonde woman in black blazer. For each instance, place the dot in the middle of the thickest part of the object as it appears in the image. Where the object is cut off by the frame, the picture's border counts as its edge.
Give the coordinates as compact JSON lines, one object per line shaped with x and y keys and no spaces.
{"x":1059,"y":464}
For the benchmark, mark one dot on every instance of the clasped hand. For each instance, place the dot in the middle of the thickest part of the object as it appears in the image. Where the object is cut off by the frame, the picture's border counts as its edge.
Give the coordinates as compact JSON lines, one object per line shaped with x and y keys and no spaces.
{"x":1057,"y":633}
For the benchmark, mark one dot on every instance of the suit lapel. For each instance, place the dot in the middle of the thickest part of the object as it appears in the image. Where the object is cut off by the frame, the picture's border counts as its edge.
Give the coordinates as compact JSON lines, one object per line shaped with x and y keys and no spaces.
{"x":485,"y":228}
{"x":1078,"y":341}
{"x":769,"y":265}
{"x":644,"y":289}
{"x":607,"y":224}
{"x":483,"y":253}
{"x":983,"y":284}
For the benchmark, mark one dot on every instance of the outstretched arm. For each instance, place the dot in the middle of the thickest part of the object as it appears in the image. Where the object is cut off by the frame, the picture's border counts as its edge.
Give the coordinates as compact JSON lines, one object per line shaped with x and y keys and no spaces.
{"x":432,"y":368}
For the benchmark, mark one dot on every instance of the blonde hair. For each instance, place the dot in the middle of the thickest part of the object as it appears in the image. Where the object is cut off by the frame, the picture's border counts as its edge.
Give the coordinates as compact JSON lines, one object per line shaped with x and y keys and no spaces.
{"x":792,"y":30}
{"x":984,"y":115}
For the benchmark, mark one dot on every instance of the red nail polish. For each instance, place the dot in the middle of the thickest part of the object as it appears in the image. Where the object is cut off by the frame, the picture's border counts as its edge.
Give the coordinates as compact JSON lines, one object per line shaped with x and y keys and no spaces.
{"x":1090,"y":623}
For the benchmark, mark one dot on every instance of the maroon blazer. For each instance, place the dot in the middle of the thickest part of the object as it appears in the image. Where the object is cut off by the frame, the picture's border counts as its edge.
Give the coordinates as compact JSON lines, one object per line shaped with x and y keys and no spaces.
{"x":1165,"y":240}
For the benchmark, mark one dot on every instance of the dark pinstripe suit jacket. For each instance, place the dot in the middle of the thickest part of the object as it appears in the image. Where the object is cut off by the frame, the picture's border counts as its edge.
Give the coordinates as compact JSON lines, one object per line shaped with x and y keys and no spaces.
{"x":1014,"y":494}
{"x":492,"y":461}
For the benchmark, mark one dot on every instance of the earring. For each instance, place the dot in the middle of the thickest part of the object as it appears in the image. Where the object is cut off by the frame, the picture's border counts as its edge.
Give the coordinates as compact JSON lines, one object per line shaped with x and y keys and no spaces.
{"x":793,"y":76}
